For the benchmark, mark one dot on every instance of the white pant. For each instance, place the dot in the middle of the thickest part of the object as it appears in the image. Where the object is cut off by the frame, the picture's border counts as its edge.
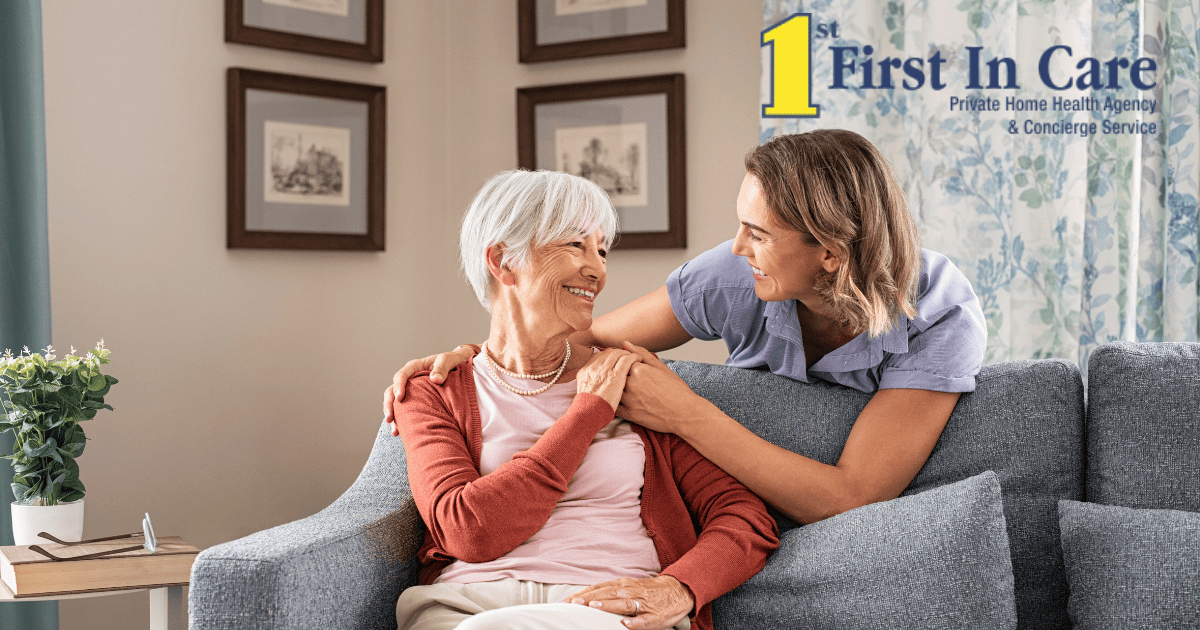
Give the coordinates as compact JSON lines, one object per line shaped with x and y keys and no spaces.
{"x":506,"y":604}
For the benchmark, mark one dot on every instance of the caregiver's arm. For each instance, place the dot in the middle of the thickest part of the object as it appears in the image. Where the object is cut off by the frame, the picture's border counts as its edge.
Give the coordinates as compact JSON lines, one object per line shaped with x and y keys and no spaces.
{"x":647,"y":321}
{"x":889,"y":443}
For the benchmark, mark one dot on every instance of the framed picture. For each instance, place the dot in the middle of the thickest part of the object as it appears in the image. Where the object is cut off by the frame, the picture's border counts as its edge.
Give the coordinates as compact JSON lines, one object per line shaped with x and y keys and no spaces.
{"x":567,"y":29}
{"x":305,"y":162}
{"x":351,"y":29}
{"x":626,"y":135}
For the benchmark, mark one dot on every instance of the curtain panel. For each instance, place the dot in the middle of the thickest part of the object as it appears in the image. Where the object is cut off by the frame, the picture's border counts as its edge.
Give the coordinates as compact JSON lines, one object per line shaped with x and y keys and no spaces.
{"x":24,"y":245}
{"x":1070,"y":238}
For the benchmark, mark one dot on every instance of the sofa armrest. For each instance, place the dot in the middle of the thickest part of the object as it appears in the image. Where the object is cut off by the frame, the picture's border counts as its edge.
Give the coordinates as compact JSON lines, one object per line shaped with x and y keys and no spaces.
{"x":341,"y":568}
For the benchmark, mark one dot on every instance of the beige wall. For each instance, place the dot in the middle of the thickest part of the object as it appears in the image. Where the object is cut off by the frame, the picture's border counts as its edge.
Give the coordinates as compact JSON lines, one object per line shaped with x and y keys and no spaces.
{"x":250,"y":380}
{"x":721,"y":64}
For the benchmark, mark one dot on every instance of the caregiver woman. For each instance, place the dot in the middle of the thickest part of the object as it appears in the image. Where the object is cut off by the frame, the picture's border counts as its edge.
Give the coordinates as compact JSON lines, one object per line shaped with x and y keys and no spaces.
{"x":825,"y":279}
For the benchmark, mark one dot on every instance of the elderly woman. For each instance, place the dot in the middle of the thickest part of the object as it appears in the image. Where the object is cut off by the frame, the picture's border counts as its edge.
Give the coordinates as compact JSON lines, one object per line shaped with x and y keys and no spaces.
{"x":543,"y":509}
{"x":824,"y":279}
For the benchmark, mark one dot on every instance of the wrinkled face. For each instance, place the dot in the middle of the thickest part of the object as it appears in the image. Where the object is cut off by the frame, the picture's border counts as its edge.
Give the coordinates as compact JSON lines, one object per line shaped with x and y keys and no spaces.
{"x":560,"y":283}
{"x":785,"y":266}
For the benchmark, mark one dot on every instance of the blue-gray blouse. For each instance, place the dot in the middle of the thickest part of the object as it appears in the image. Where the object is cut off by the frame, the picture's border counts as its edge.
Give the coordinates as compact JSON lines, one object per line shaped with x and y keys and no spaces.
{"x":941,"y":349}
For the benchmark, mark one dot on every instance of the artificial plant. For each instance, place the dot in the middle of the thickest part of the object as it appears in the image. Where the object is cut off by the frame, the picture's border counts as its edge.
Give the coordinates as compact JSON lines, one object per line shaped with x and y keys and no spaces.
{"x":46,"y":400}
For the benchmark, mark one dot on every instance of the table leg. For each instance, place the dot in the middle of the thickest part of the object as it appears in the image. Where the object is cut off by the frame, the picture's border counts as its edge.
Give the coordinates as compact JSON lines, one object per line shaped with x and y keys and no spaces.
{"x":168,"y":611}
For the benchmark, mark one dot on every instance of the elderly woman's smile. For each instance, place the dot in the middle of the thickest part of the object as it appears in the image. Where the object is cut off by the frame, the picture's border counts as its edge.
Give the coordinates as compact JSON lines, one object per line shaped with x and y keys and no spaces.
{"x":568,"y":274}
{"x":584,"y":293}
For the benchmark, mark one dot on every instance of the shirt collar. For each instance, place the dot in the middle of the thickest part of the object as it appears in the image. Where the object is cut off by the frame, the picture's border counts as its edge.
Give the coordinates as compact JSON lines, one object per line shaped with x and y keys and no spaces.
{"x":895,"y":340}
{"x":859,"y":353}
{"x":782,"y":321}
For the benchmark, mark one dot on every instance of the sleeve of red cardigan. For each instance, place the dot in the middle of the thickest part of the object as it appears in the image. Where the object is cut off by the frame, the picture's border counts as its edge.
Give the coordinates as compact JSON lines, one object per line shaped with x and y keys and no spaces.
{"x":479,"y":518}
{"x":736,"y":532}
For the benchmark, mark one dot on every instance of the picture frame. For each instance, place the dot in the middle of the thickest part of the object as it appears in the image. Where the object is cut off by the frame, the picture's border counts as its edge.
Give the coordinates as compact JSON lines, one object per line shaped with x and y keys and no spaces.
{"x":549,"y":30}
{"x":628,"y":135}
{"x":306,"y":162}
{"x":348,"y":29}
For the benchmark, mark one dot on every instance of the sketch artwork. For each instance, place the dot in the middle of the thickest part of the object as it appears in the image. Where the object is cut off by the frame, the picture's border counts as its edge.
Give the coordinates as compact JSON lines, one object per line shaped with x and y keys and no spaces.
{"x":613,"y":156}
{"x":332,"y":7}
{"x":308,"y":164}
{"x":572,"y":7}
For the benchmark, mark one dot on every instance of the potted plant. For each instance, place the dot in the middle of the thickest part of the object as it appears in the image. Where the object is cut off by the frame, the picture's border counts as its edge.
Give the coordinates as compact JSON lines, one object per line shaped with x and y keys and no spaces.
{"x":46,"y":400}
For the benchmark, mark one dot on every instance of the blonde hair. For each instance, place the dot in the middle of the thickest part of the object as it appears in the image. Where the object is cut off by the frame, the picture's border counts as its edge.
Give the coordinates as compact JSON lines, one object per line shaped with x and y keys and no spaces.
{"x":525,"y":210}
{"x":836,"y":189}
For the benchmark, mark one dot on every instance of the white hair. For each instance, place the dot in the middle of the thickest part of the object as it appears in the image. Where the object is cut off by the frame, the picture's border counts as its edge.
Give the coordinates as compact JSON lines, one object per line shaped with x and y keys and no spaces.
{"x":524,"y":210}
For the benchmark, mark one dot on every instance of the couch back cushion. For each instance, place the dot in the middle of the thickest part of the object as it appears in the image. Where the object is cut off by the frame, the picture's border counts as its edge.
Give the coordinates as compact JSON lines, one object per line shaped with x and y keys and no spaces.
{"x":1024,"y":421}
{"x":1143,"y":426}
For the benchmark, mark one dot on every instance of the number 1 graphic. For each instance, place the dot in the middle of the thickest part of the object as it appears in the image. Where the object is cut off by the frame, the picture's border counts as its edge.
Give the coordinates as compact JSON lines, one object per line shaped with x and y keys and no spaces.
{"x":791,"y":69}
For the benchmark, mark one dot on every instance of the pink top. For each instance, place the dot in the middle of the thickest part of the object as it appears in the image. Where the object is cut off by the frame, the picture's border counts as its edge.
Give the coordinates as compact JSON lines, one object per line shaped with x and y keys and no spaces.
{"x":710,"y":532}
{"x":595,"y":532}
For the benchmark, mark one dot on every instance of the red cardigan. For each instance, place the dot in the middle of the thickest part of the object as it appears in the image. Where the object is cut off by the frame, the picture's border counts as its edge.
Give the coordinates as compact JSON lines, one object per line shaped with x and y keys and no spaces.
{"x":477,"y":518}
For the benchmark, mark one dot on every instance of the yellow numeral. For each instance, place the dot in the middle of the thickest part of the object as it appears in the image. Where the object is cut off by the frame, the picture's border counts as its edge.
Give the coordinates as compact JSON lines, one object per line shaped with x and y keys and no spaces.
{"x":791,"y":69}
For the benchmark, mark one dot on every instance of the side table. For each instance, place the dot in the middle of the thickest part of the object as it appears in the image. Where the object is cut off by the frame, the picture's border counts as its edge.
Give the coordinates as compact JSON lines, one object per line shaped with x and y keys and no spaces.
{"x":168,"y":610}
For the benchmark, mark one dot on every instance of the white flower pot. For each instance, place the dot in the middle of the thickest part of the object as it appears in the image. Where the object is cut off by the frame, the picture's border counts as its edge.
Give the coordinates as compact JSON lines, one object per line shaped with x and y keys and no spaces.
{"x":63,"y":521}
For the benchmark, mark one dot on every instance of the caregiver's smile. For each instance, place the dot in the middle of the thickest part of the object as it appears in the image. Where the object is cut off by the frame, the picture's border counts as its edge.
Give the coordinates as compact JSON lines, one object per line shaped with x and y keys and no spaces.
{"x":785,"y":266}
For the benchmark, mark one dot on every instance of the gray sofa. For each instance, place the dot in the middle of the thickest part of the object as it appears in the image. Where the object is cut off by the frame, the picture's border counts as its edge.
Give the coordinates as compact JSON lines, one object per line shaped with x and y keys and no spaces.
{"x":1007,"y":525}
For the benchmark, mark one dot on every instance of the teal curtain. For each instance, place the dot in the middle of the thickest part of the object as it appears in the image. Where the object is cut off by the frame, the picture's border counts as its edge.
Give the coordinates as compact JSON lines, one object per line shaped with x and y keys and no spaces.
{"x":24,"y":245}
{"x":1070,"y":240}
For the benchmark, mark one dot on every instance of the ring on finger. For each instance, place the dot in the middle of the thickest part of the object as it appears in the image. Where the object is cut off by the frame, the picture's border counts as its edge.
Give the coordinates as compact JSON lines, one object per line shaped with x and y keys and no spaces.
{"x":637,"y":606}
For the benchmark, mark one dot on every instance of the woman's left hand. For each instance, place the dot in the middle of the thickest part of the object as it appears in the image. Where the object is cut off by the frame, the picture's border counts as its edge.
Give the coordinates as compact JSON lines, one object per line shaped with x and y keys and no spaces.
{"x":655,"y":603}
{"x":655,"y":397}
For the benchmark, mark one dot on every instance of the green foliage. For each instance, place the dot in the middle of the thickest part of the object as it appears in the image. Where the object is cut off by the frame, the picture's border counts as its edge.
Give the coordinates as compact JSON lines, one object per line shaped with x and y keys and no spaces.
{"x":894,"y":21}
{"x":46,"y":400}
{"x":1041,"y":189}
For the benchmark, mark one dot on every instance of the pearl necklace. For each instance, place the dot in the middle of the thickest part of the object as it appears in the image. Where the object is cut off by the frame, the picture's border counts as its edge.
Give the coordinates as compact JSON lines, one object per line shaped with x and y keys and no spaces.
{"x":494,"y":367}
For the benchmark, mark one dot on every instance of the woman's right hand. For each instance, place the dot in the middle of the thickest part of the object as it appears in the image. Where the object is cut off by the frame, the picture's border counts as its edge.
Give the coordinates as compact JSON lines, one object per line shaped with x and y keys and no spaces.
{"x":438,"y":364}
{"x":605,"y":374}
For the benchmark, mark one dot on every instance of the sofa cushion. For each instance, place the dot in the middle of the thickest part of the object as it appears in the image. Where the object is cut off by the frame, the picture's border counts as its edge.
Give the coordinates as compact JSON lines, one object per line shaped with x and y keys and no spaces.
{"x":1024,"y":421}
{"x":1131,"y":568}
{"x":1143,"y":428}
{"x":937,"y":559}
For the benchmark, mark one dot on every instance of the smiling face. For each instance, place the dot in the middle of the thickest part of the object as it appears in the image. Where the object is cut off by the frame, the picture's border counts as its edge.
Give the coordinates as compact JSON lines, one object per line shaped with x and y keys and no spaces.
{"x":557,"y":289}
{"x":786,"y":264}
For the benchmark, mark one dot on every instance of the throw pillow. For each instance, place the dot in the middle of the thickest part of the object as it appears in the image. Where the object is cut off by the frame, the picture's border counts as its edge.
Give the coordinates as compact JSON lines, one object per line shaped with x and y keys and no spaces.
{"x":933,"y":560}
{"x":1131,"y":568}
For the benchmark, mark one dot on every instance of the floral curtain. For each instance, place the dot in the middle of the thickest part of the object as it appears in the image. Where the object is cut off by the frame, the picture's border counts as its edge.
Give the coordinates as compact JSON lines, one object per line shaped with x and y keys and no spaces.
{"x":1070,"y":238}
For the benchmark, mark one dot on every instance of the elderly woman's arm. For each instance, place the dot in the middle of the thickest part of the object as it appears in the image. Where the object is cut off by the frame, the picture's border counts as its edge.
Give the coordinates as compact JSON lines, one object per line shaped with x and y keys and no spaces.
{"x":474,"y":517}
{"x":477,"y":518}
{"x":736,"y":532}
{"x":736,"y":537}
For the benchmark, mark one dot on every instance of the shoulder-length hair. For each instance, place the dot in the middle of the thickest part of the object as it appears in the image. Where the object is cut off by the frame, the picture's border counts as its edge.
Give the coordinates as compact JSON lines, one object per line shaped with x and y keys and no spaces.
{"x":524,"y":210}
{"x":836,"y":189}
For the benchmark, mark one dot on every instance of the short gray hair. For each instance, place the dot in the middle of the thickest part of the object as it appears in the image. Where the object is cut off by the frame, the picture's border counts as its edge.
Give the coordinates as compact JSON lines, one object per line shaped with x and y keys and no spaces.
{"x":529,"y":209}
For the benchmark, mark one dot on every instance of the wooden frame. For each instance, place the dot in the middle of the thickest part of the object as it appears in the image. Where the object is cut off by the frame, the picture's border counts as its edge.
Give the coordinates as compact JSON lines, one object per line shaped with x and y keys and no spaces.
{"x":532,"y":52}
{"x":279,"y":222}
{"x":371,"y":50}
{"x":568,"y":110}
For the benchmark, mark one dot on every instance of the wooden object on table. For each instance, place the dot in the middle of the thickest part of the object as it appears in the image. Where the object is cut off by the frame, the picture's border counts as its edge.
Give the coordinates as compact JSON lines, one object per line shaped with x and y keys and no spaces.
{"x":28,"y":573}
